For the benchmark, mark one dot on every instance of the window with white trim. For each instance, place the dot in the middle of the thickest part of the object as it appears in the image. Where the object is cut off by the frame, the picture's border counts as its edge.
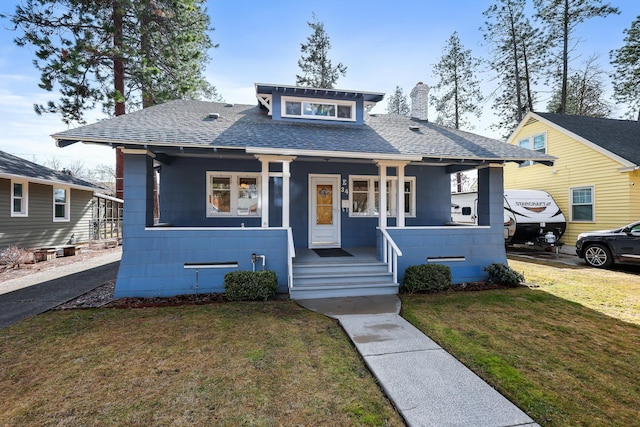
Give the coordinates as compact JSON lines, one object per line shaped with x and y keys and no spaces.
{"x":536,"y":143}
{"x":582,"y":206}
{"x":318,"y":109}
{"x":61,"y":204}
{"x":233,"y":194}
{"x":364,"y":196}
{"x":19,"y":198}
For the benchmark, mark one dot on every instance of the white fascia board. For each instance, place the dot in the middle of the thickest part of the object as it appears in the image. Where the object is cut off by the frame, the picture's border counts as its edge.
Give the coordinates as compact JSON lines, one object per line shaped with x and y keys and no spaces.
{"x":330,"y":154}
{"x":51,"y":182}
{"x":624,"y":162}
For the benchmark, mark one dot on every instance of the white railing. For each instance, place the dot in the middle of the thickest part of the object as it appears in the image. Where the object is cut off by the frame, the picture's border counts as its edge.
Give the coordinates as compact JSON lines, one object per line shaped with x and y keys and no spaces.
{"x":291,"y":254}
{"x":390,"y":253}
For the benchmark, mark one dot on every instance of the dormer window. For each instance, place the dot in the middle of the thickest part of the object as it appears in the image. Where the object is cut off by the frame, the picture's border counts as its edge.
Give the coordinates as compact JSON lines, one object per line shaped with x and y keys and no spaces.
{"x":318,"y":109}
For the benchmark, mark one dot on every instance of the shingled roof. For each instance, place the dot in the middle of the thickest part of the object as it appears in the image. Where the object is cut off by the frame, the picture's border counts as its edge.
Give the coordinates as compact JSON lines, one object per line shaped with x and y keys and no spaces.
{"x":184,"y":123}
{"x":12,"y":167}
{"x":620,"y":137}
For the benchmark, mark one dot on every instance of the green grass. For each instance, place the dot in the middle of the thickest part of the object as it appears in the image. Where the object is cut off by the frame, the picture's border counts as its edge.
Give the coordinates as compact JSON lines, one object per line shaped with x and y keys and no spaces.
{"x":222,"y":364}
{"x":567,"y":353}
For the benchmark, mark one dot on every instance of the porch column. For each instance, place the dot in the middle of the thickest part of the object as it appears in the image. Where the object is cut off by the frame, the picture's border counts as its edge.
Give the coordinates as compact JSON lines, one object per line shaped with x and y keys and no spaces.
{"x":264,"y":196}
{"x":400,"y":195}
{"x":286,"y":175}
{"x":382,"y":209}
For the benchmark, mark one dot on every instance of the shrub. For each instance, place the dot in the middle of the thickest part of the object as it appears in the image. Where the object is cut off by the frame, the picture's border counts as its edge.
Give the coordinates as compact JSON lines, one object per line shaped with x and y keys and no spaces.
{"x":504,"y":275}
{"x":250,"y":285}
{"x":13,"y":256}
{"x":427,"y":278}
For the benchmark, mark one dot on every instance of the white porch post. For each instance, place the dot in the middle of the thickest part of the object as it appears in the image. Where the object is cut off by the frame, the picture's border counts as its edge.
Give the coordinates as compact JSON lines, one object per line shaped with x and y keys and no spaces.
{"x":382,"y":209}
{"x":400,"y":195}
{"x":286,"y":175}
{"x":264,"y":196}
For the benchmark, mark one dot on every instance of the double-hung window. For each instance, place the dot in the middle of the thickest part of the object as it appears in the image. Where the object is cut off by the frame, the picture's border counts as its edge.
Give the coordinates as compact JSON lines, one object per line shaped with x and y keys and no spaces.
{"x":61,"y":204}
{"x":364,"y":196}
{"x":536,"y":143}
{"x":19,"y":198}
{"x":318,"y":109}
{"x":233,"y":194}
{"x":582,"y":204}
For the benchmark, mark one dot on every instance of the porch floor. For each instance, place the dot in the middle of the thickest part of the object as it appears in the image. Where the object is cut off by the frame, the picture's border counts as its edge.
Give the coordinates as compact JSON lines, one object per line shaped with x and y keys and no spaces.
{"x":362,"y":254}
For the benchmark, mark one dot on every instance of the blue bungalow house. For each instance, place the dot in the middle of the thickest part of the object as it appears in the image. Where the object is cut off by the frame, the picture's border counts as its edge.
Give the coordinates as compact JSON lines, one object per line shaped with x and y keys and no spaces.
{"x":293,"y":184}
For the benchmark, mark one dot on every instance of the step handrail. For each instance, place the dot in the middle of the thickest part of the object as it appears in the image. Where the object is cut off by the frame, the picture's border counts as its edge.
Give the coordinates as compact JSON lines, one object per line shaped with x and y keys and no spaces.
{"x":389,"y":246}
{"x":291,"y":254}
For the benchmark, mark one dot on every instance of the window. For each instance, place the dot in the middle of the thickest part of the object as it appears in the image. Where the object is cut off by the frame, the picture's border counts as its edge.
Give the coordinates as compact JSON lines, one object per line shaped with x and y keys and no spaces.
{"x":60,"y":204}
{"x":19,"y":198}
{"x":536,"y":143}
{"x":233,"y":194}
{"x":364,"y":197}
{"x":318,"y":109}
{"x":582,"y":204}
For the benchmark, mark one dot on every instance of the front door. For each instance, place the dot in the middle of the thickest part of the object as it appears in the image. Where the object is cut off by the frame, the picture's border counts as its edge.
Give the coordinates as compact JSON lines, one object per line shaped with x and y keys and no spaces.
{"x":324,"y":211}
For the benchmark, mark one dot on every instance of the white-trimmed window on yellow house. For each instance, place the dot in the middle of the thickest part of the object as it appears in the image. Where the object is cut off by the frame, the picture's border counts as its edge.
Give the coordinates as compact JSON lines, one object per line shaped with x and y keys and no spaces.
{"x":233,"y":194}
{"x":582,"y":206}
{"x":536,"y":143}
{"x":19,"y":198}
{"x":364,"y":196}
{"x":61,"y":204}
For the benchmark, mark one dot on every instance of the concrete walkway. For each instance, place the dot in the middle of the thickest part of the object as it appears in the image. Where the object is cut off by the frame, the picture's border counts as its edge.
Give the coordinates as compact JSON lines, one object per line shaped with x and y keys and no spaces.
{"x":36,"y":293}
{"x":428,"y":386}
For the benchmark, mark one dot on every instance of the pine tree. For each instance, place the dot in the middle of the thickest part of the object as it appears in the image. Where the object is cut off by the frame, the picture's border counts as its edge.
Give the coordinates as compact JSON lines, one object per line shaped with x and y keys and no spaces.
{"x":317,"y":69}
{"x":562,"y":17}
{"x":518,"y":57}
{"x":626,"y":61}
{"x":397,"y":103}
{"x":458,"y":91}
{"x":585,"y":93}
{"x":116,"y":53}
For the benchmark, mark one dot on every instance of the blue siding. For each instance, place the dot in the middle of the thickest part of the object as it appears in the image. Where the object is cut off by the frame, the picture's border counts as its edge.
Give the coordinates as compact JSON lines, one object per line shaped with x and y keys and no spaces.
{"x":276,"y":109}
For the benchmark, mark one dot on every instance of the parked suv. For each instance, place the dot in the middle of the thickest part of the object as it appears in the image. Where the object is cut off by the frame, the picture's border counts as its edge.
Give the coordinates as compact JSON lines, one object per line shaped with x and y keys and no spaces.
{"x":602,"y":248}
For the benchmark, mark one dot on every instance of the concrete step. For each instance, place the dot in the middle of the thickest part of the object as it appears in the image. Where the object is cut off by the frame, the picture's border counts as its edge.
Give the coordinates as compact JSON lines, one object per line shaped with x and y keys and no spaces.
{"x":343,"y":290}
{"x":320,"y":268}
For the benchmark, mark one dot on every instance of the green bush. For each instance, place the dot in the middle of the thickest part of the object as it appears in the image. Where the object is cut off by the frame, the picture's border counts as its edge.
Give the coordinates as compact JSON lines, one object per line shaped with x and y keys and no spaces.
{"x":504,"y":275}
{"x":250,"y":285}
{"x":427,"y":278}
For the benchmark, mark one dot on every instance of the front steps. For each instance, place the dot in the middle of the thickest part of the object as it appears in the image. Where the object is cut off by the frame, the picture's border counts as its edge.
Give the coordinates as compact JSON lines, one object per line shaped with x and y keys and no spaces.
{"x":333,"y":279}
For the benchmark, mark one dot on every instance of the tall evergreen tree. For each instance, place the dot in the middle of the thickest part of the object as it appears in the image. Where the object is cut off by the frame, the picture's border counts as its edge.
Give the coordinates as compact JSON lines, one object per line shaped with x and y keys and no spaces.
{"x":585,"y":93}
{"x":626,"y":60}
{"x":518,"y":57}
{"x":397,"y":103}
{"x":562,"y":17}
{"x":317,"y":68}
{"x":116,"y":53}
{"x":457,"y":91}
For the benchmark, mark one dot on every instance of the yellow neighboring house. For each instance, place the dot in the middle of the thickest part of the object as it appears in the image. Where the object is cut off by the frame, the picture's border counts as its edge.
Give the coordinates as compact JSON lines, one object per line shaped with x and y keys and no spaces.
{"x":596,"y":177}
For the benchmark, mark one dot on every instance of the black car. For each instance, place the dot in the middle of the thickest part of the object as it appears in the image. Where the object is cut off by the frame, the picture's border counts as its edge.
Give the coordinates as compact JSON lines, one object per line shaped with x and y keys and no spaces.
{"x":602,"y":248}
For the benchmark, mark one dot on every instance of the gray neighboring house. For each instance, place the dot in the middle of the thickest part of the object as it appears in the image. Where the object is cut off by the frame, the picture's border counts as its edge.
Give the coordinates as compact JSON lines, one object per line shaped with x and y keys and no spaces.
{"x":40,"y":207}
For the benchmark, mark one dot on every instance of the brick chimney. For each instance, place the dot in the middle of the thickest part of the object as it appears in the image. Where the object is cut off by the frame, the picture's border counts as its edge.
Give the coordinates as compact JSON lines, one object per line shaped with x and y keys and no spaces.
{"x":420,"y":102}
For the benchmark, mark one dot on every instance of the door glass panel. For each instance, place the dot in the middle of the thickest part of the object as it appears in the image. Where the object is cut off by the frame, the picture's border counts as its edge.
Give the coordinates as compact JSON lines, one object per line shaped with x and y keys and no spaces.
{"x":324,"y":204}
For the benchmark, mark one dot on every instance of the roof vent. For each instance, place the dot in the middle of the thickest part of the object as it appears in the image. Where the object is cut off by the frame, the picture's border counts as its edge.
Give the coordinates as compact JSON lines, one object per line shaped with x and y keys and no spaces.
{"x":213,"y":116}
{"x":228,"y":105}
{"x":414,"y":128}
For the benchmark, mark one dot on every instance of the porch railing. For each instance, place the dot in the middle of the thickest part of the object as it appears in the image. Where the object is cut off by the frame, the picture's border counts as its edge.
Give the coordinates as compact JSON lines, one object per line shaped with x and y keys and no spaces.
{"x":390,"y":253}
{"x":291,"y":254}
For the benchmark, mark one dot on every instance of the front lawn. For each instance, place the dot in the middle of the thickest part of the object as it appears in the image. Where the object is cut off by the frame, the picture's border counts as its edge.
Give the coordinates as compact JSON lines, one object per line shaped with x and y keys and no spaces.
{"x":227,"y":364}
{"x":567,"y":353}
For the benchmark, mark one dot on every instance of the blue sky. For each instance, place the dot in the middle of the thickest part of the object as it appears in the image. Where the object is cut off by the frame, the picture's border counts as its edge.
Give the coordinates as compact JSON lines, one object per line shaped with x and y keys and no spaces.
{"x":383,"y":44}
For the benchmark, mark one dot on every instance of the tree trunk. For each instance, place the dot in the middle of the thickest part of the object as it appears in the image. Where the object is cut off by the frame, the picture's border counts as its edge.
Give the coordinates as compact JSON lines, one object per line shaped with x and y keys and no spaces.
{"x":565,"y":58}
{"x":118,"y":83}
{"x":516,"y":67}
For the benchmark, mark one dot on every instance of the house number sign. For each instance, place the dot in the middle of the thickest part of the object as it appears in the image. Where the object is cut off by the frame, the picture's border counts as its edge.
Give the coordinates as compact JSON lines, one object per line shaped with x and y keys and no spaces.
{"x":344,"y":188}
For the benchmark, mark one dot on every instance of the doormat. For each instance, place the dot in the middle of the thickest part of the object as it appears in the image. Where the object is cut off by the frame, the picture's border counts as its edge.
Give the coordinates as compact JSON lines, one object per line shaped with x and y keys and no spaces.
{"x":332,"y":252}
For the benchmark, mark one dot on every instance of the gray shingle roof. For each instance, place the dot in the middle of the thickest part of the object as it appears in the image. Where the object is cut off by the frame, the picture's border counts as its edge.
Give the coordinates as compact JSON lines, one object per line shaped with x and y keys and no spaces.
{"x":11,"y":166}
{"x":621,"y":137}
{"x":186,"y":123}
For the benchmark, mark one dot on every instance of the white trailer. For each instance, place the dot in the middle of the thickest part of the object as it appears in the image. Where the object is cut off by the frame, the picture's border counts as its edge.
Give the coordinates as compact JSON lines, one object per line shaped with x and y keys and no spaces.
{"x":530,"y":216}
